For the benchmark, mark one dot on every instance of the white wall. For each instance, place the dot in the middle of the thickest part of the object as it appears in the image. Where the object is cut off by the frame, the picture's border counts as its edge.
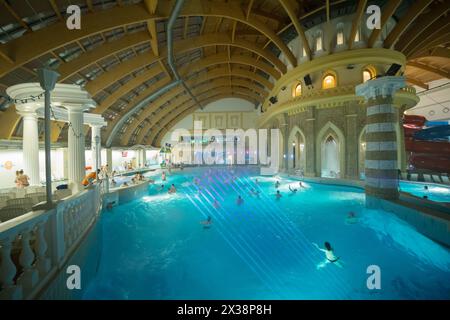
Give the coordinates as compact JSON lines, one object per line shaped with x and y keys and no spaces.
{"x":12,"y":160}
{"x":223,"y":105}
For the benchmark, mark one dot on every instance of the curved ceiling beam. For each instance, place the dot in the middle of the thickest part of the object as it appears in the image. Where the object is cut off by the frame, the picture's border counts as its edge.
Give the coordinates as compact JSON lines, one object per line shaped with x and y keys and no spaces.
{"x":413,"y":12}
{"x":211,"y":61}
{"x":147,"y":75}
{"x":421,"y":24}
{"x":287,"y":5}
{"x":439,"y":52}
{"x":212,"y":74}
{"x":196,"y":67}
{"x":438,"y":28}
{"x":433,"y":43}
{"x":179,"y":95}
{"x":129,"y":66}
{"x":222,"y":82}
{"x":35,"y":44}
{"x":128,"y":87}
{"x":223,"y":57}
{"x":388,"y":10}
{"x":167,"y":123}
{"x":425,"y":67}
{"x":105,"y":50}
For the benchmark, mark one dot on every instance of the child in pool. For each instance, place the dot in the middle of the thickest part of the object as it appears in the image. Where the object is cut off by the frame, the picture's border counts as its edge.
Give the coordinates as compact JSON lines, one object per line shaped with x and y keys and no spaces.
{"x":330,"y":257}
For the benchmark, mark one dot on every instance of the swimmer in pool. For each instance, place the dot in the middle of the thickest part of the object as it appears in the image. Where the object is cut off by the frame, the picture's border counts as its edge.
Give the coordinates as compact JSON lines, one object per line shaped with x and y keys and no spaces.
{"x":330,"y":257}
{"x":239,"y":201}
{"x":207,"y":223}
{"x":293,"y":190}
{"x":300,"y":184}
{"x":254,"y":192}
{"x":163,"y":176}
{"x":161,"y":188}
{"x":172,"y":189}
{"x":351,"y":218}
{"x":278,"y":195}
{"x":257,"y":181}
{"x":277,"y":184}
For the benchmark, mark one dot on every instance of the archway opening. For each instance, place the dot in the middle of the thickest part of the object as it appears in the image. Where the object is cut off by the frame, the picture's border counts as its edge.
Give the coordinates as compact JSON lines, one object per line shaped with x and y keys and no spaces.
{"x":330,"y":166}
{"x":297,"y":156}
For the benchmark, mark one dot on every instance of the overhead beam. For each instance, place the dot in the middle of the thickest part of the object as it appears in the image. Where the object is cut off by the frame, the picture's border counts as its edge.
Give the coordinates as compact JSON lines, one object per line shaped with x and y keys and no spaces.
{"x":151,"y":6}
{"x":417,"y":83}
{"x":357,"y":21}
{"x":167,"y":123}
{"x":410,"y":16}
{"x":290,"y":11}
{"x":35,"y":44}
{"x":388,"y":11}
{"x":425,"y":67}
{"x":422,"y":24}
{"x":156,"y":136}
{"x":249,"y":9}
{"x":15,"y":15}
{"x":90,"y":5}
{"x":439,"y":28}
{"x":56,"y":9}
{"x":176,"y":95}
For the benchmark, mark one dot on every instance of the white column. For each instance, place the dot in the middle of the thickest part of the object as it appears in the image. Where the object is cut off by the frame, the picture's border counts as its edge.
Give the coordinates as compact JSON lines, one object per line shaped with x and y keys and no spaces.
{"x":96,"y":146}
{"x":30,"y":143}
{"x":144,"y":157}
{"x":76,"y":145}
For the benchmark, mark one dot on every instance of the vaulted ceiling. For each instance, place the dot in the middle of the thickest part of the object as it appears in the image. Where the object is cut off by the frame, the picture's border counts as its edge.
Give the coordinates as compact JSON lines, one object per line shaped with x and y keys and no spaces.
{"x":222,"y":49}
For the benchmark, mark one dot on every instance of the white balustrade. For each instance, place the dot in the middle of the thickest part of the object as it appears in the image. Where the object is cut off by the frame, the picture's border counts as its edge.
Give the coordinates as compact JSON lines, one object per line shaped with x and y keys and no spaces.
{"x":46,"y":239}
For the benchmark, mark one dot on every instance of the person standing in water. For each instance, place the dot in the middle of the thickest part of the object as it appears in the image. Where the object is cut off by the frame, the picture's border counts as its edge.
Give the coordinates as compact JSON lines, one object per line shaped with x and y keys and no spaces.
{"x":330,"y":257}
{"x":239,"y":201}
{"x":278,"y":195}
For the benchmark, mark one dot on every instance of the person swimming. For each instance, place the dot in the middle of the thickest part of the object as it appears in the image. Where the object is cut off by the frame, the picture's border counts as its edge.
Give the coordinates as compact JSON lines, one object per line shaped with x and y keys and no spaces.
{"x":301,"y":184}
{"x":330,"y":257}
{"x":172,"y":189}
{"x":161,"y":187}
{"x":426,"y":188}
{"x":293,"y":190}
{"x":207,"y":223}
{"x":351,"y":218}
{"x":239,"y":201}
{"x":257,"y":181}
{"x":278,"y":195}
{"x":254,"y":192}
{"x":277,"y":184}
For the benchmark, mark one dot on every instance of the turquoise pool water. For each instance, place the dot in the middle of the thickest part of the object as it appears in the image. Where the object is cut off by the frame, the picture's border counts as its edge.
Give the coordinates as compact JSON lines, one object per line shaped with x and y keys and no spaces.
{"x":435,"y":192}
{"x":157,"y":248}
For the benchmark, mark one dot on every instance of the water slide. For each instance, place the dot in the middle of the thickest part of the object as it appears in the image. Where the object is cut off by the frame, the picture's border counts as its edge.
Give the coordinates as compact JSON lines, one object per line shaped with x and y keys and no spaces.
{"x":428,"y":143}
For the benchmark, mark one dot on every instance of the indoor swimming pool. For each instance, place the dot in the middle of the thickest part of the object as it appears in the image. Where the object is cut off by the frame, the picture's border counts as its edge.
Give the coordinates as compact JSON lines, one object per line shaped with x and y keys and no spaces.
{"x":160,"y":247}
{"x":434,"y":192}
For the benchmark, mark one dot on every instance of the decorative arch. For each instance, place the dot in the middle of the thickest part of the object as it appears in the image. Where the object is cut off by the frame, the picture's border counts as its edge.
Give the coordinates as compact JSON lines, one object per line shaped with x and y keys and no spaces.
{"x":297,"y":89}
{"x":368,"y":72}
{"x":329,"y":79}
{"x":330,"y":129}
{"x":296,"y":148}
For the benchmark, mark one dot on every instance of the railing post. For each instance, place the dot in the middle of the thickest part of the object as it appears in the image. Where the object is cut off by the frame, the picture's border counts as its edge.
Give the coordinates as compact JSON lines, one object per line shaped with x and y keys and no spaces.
{"x":7,"y":272}
{"x":42,"y":262}
{"x":29,"y":277}
{"x":57,"y":234}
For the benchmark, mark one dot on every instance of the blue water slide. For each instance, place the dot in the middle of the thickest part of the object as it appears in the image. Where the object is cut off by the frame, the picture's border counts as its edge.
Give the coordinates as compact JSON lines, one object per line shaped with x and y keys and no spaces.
{"x":441,"y":132}
{"x":437,"y":123}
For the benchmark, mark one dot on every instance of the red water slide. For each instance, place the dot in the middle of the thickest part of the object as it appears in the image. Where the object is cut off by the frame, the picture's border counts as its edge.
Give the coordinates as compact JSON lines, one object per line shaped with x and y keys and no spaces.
{"x":424,"y":154}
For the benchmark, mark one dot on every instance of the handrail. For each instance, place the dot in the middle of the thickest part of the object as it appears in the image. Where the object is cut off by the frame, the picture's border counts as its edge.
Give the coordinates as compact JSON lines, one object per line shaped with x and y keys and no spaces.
{"x":34,"y":246}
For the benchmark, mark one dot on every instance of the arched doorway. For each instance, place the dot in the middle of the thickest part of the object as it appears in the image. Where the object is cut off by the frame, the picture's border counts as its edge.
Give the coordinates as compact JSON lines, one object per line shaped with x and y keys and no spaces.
{"x":296,"y":147}
{"x":330,"y":146}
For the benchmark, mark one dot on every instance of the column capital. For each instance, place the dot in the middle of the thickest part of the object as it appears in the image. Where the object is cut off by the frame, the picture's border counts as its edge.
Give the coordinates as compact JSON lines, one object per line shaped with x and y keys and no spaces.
{"x":28,"y":109}
{"x":76,"y":107}
{"x":380,"y":87}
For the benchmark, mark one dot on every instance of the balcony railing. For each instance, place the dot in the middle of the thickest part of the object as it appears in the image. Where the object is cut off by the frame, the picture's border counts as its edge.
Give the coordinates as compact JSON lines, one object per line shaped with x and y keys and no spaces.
{"x":34,"y":246}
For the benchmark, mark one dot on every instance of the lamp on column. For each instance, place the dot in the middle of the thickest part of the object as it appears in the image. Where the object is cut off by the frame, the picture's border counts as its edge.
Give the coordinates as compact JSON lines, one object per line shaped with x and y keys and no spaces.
{"x":47,"y":80}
